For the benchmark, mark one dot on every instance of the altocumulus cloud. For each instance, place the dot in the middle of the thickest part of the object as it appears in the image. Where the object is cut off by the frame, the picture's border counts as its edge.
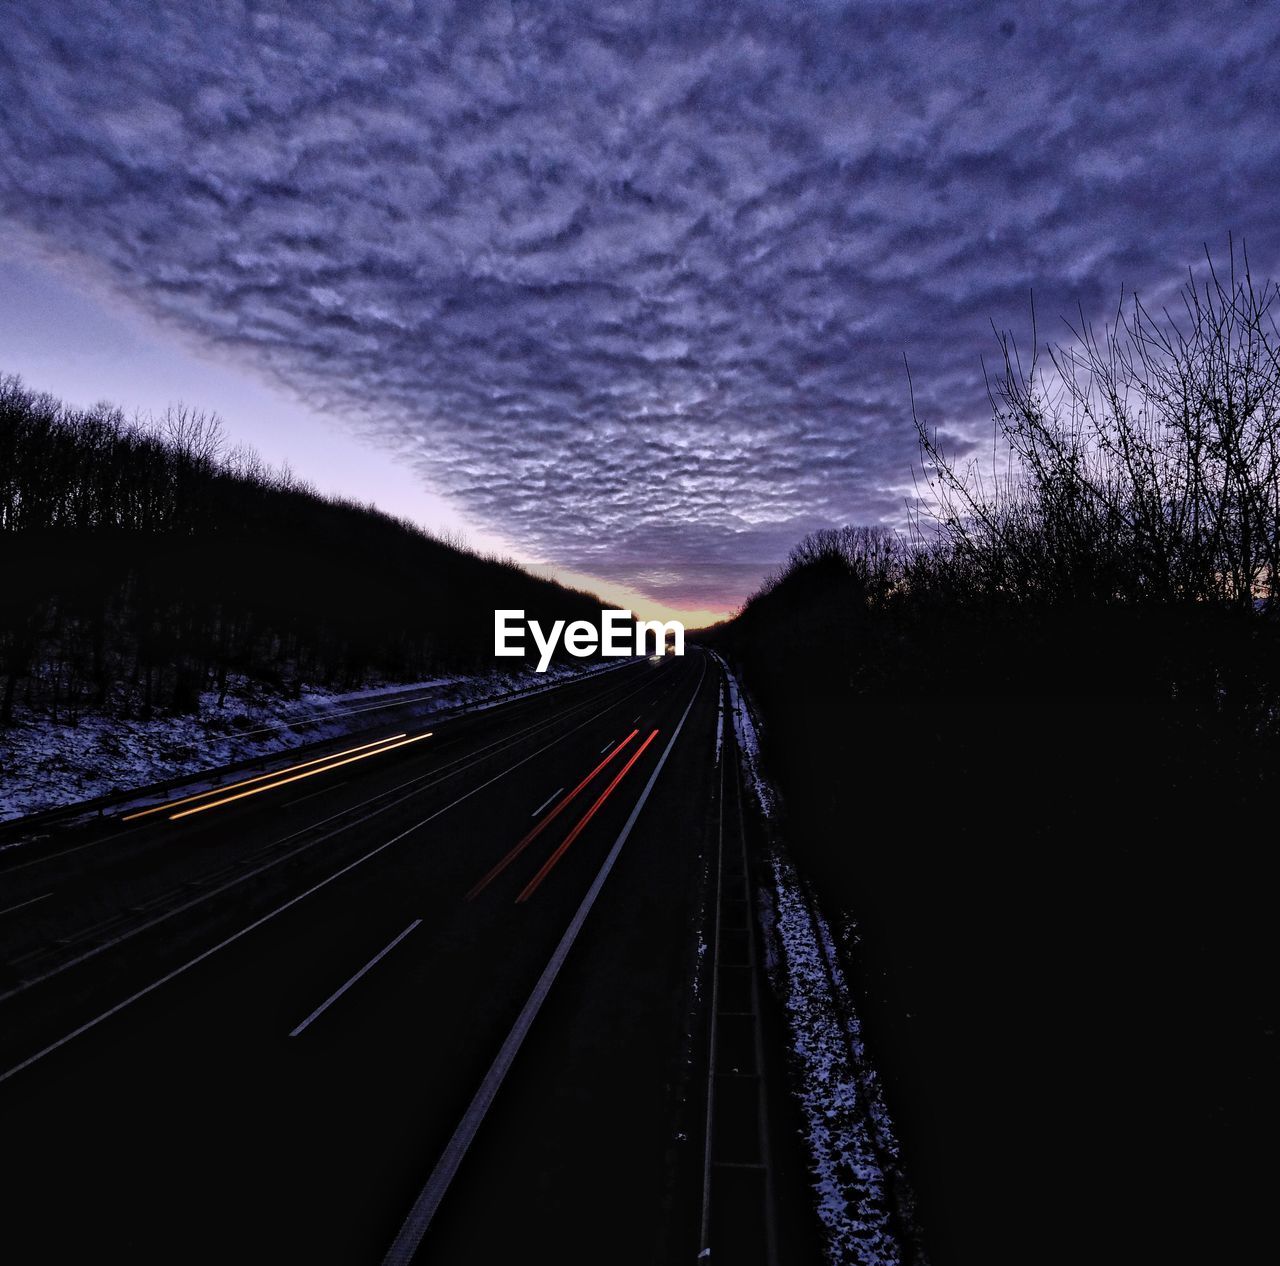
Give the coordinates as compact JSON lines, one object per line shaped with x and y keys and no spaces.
{"x":633,"y":283}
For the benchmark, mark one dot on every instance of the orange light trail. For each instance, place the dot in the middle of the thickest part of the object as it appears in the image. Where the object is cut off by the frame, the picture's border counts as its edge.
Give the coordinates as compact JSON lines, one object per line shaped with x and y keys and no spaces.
{"x":532,"y":886}
{"x":310,"y":773}
{"x":488,"y":878}
{"x":245,"y":782}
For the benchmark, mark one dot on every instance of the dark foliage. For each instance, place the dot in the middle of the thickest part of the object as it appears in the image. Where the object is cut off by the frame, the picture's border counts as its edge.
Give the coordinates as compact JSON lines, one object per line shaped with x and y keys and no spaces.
{"x":1029,"y":753}
{"x":141,"y":567}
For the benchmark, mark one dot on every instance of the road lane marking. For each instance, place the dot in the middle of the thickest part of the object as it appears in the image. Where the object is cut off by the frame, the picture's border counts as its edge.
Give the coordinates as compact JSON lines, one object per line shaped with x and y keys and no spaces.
{"x":442,"y":776}
{"x":517,"y":697}
{"x":337,"y":993}
{"x":532,"y":886}
{"x":490,"y":875}
{"x":245,"y":782}
{"x":235,"y":936}
{"x":442,"y":773}
{"x":406,"y":1243}
{"x":546,"y":802}
{"x":310,"y":773}
{"x":311,"y":795}
{"x":459,"y":765}
{"x":23,"y":904}
{"x":271,"y":914}
{"x":607,"y":746}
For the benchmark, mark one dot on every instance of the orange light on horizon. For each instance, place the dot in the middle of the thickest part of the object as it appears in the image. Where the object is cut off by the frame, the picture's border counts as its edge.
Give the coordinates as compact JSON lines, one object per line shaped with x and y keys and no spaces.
{"x":640,"y":604}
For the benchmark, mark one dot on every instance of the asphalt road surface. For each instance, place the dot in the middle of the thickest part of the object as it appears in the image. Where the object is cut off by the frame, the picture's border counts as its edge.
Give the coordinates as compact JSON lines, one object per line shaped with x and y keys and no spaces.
{"x":428,"y":1004}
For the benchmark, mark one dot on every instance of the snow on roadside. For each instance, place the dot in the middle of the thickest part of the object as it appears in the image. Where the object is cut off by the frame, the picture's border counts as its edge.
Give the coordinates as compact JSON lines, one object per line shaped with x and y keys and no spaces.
{"x":719,"y":725}
{"x":46,"y":764}
{"x":749,"y":745}
{"x":863,"y":1200}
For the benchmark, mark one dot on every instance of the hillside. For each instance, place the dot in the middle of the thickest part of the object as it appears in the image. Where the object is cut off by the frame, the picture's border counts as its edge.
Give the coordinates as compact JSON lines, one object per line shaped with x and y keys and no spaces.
{"x":144,"y":567}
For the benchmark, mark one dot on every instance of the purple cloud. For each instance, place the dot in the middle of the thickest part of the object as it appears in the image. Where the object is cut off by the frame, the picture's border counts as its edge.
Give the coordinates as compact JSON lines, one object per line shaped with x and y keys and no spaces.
{"x":633,"y":283}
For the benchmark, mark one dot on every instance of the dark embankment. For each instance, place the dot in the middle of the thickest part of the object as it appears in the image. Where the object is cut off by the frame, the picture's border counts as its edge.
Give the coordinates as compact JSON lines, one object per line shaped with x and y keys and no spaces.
{"x":143,"y":566}
{"x":1031,"y":763}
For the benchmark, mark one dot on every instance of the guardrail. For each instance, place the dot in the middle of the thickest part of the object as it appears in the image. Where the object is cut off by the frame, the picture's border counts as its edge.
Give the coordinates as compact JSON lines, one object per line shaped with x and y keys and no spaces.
{"x":97,"y":806}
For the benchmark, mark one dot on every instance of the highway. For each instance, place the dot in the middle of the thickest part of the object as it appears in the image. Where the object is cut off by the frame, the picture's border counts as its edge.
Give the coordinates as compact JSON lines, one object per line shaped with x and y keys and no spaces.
{"x":430,"y":998}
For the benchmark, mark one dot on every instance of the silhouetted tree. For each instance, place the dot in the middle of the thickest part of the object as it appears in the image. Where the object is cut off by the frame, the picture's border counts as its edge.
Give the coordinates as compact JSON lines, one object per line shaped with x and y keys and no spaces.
{"x":141,"y":563}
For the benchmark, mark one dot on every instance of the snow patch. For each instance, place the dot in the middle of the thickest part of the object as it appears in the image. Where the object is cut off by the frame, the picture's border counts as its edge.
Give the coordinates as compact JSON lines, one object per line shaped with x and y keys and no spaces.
{"x":864,"y":1202}
{"x":48,"y":764}
{"x":719,"y":728}
{"x":746,"y":732}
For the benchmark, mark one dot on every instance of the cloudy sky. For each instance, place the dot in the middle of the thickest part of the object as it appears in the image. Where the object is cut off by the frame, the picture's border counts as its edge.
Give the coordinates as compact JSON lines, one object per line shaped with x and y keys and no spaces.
{"x":624,"y":288}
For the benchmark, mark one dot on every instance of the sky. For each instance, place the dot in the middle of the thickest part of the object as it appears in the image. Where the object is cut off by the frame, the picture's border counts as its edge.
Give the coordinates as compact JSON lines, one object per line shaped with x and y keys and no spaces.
{"x":624,"y":290}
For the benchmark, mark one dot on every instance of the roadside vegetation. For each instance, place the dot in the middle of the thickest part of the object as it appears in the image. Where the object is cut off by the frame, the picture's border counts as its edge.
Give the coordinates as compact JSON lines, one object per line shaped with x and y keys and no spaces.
{"x":1029,"y":750}
{"x":1128,"y":543}
{"x":144,"y":565}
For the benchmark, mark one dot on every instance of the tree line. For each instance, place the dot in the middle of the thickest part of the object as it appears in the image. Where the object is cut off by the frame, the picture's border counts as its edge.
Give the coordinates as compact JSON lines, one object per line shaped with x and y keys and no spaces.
{"x":1123,"y":539}
{"x":144,"y":564}
{"x":1026,"y":748}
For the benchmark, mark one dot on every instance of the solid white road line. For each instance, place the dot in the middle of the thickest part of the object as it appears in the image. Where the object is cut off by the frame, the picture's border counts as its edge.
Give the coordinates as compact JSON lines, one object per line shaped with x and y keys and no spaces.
{"x":424,"y":1209}
{"x":257,"y":923}
{"x":23,"y":904}
{"x":546,"y":802}
{"x":337,"y":993}
{"x":311,"y":795}
{"x":103,"y":839}
{"x":443,"y":776}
